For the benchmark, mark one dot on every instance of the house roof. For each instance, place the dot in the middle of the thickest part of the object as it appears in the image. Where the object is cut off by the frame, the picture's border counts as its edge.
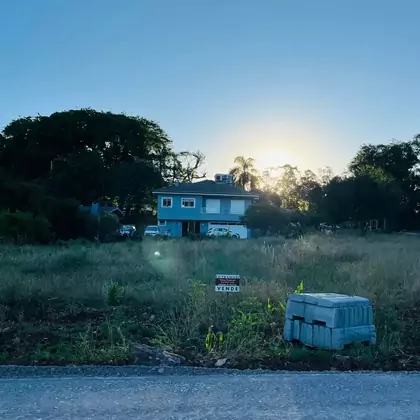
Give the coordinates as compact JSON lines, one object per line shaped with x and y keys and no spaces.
{"x":206,"y":187}
{"x":103,"y":209}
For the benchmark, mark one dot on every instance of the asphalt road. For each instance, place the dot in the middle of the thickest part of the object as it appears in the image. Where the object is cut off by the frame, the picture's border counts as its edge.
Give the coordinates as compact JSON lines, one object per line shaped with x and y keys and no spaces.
{"x":190,"y":395}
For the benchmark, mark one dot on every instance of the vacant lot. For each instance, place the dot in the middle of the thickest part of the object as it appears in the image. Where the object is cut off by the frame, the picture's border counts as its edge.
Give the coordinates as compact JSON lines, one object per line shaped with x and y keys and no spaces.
{"x":87,"y":303}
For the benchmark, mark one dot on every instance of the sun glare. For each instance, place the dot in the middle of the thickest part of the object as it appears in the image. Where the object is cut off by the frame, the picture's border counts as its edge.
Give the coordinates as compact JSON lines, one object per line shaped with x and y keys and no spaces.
{"x":273,"y":158}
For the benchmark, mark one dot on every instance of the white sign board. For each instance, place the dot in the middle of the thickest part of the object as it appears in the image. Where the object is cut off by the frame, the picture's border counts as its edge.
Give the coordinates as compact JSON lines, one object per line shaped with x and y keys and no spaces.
{"x":227,"y":283}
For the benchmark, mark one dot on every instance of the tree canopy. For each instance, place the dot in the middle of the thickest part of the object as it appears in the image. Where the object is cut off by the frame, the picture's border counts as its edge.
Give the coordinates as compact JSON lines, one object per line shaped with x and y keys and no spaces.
{"x":244,"y":173}
{"x":83,"y":156}
{"x":50,"y":165}
{"x":382,"y":183}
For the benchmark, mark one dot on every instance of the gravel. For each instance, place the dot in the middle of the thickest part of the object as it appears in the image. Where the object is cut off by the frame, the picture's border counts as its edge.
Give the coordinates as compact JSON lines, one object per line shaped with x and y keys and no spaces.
{"x":122,"y":393}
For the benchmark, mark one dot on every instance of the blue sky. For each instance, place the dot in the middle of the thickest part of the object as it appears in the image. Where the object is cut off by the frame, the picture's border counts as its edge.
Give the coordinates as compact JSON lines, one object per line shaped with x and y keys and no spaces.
{"x":303,"y":82}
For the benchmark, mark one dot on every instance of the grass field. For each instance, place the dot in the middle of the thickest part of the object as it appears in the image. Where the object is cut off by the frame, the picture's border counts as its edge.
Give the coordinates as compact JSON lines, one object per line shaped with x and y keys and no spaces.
{"x":87,"y":303}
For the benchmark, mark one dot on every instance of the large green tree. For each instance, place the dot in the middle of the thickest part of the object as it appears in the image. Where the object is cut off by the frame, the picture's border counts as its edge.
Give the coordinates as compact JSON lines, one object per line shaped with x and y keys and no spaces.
{"x":67,"y":144}
{"x":399,"y":161}
{"x":51,"y":164}
{"x":369,"y":194}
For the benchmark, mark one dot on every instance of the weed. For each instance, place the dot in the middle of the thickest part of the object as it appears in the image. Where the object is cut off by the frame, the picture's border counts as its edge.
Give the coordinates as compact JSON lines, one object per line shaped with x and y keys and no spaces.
{"x":115,"y":293}
{"x":76,"y":288}
{"x":299,"y":289}
{"x":214,"y":342}
{"x":91,"y":347}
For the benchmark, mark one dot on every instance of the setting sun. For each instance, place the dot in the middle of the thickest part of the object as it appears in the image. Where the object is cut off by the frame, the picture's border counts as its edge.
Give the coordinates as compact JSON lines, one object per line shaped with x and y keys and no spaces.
{"x":273,"y":158}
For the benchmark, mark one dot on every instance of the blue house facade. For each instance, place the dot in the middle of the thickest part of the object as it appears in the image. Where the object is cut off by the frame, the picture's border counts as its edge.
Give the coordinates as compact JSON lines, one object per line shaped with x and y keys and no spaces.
{"x":194,"y":208}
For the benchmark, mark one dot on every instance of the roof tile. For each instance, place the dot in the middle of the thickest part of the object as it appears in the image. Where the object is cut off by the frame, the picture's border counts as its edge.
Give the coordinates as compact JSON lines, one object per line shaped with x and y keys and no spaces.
{"x":205,"y":187}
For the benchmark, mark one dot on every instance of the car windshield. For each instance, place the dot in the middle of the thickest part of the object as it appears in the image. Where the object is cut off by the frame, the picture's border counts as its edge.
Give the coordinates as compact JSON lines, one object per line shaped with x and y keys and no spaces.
{"x":152,"y":228}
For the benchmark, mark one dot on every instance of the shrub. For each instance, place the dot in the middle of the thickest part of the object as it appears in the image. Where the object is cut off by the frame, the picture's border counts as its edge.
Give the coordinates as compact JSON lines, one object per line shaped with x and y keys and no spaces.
{"x":24,"y":227}
{"x":266,"y":217}
{"x":108,"y":227}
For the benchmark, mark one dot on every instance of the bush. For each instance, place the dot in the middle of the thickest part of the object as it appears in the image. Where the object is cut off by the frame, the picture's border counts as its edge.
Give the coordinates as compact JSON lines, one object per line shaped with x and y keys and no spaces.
{"x":103,"y":228}
{"x":197,"y":236}
{"x":108,"y":227}
{"x":24,"y":228}
{"x":266,"y":217}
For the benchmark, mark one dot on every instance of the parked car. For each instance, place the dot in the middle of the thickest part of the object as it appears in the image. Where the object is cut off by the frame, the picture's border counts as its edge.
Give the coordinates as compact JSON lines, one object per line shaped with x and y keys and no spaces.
{"x":152,"y":230}
{"x":127,"y":231}
{"x":328,"y":226}
{"x":222,"y":232}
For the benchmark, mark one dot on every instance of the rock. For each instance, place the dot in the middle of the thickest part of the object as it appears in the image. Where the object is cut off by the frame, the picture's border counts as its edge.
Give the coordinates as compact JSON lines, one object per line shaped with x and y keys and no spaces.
{"x":172,"y":359}
{"x":220,"y":363}
{"x":161,"y":370}
{"x":154,"y":356}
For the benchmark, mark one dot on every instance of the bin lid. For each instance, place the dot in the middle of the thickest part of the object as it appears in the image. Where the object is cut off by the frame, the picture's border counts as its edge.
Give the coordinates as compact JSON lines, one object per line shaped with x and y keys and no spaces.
{"x":331,"y":300}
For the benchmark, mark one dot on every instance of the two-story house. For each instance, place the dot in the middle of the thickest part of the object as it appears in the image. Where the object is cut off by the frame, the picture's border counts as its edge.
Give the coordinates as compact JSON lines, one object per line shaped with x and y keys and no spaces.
{"x":193,"y":208}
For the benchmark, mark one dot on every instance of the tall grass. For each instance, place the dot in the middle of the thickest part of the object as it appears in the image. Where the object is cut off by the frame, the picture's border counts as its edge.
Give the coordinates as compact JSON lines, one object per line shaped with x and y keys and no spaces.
{"x":174,"y":293}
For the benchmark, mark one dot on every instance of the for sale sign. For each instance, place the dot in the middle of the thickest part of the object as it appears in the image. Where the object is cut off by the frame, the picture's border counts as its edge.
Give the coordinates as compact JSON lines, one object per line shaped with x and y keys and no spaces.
{"x":227,"y":283}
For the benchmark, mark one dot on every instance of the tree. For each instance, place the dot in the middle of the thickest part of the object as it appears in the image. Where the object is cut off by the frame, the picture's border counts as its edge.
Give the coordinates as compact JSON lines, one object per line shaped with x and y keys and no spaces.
{"x":370,"y":194}
{"x":244,"y":173}
{"x":400,"y":162}
{"x":81,"y":156}
{"x":185,"y":167}
{"x":266,"y":217}
{"x":75,"y":152}
{"x":398,"y":159}
{"x":24,"y":227}
{"x":108,"y":226}
{"x":132,"y":184}
{"x":270,"y":197}
{"x":310,"y":192}
{"x":325,"y":175}
{"x":287,"y":186}
{"x":80,"y":174}
{"x":31,"y":146}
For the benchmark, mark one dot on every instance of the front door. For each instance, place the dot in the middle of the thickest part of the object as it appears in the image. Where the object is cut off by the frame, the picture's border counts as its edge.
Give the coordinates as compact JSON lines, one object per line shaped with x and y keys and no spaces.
{"x":190,"y":228}
{"x":185,"y":229}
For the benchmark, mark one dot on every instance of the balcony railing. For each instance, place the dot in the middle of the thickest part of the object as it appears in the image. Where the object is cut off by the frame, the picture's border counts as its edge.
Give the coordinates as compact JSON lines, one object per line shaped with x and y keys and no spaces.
{"x":216,"y":210}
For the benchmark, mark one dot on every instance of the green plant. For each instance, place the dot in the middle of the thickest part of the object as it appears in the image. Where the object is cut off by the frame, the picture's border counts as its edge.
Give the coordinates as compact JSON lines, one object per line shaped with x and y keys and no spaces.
{"x":299,"y":289}
{"x":211,"y":339}
{"x":24,"y":227}
{"x":272,"y":308}
{"x":244,"y":337}
{"x":115,"y":293}
{"x":181,"y":328}
{"x":108,"y":226}
{"x":214,"y":342}
{"x":90,"y":346}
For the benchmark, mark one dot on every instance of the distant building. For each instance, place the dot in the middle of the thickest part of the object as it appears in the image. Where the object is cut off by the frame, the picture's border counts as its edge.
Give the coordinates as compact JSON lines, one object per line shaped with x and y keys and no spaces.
{"x":97,"y":209}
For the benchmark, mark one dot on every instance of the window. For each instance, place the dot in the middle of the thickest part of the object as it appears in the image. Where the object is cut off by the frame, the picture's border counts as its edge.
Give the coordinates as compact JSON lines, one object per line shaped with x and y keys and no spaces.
{"x":212,"y":205}
{"x":188,"y":203}
{"x":162,"y":223}
{"x":237,"y":207}
{"x":166,"y":202}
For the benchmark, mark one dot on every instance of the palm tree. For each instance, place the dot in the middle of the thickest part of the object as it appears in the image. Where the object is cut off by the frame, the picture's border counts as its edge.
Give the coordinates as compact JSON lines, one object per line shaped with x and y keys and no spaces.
{"x":244,"y":173}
